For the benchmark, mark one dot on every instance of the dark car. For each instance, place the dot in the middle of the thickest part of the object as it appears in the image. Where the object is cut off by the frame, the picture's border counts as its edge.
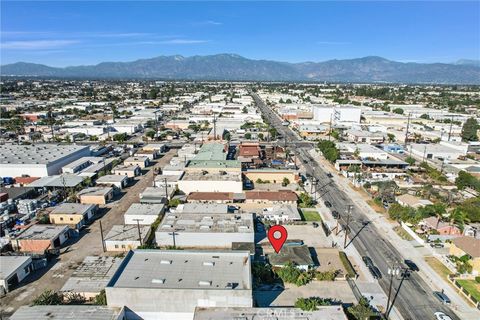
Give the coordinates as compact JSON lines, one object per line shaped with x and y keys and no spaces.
{"x":315,"y":225}
{"x":335,"y":214}
{"x":375,"y":272}
{"x":368,"y":261}
{"x":437,"y":245}
{"x":442,"y":297}
{"x":328,"y":204}
{"x":329,"y":175}
{"x":411,"y":265}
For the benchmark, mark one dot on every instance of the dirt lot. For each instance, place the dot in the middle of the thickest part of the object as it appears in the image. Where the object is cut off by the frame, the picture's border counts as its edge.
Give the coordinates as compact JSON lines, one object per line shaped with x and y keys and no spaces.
{"x":88,"y":244}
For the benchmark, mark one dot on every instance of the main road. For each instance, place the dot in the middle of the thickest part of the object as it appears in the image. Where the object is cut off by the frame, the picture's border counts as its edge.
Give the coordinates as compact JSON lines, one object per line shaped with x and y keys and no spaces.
{"x":415,"y":299}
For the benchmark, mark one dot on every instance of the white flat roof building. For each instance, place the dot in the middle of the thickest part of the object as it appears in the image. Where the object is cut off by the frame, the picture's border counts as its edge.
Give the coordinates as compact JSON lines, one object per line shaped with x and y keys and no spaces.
{"x":126,"y":237}
{"x":202,"y":208}
{"x":38,"y":160}
{"x":205,"y":181}
{"x":170,"y":284}
{"x":62,"y":312}
{"x":336,"y":113}
{"x":198,"y":230}
{"x":144,"y":213}
{"x":322,"y":313}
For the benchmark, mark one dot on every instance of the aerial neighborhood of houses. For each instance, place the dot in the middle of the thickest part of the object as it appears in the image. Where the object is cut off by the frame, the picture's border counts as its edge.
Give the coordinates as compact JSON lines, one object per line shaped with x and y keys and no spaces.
{"x":153,"y":200}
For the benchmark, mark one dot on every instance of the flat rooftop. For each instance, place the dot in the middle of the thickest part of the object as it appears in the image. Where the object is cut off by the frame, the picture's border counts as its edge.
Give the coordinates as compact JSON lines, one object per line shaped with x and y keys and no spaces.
{"x":211,"y":151}
{"x":42,"y":232}
{"x":323,"y":313}
{"x":59,"y":181}
{"x":202,"y":208}
{"x":145,"y":209}
{"x":211,"y":223}
{"x":184,"y":269}
{"x":9,"y":264}
{"x":62,"y":312}
{"x":109,"y":178}
{"x":126,"y":233}
{"x":37,"y":154}
{"x":93,"y":274}
{"x":212,"y":176}
{"x":72,"y":208}
{"x":207,"y":164}
{"x":95,"y":191}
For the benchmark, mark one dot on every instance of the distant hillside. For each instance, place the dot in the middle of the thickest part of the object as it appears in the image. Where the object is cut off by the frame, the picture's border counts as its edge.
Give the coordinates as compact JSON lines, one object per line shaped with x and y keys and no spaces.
{"x":235,"y":67}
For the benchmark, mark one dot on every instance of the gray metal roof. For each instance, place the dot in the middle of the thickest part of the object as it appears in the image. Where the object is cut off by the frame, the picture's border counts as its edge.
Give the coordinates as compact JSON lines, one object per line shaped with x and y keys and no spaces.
{"x":153,"y":209}
{"x":211,"y":223}
{"x":297,"y":254}
{"x":59,"y":181}
{"x":36,"y":154}
{"x":72,"y":208}
{"x":66,"y":312}
{"x":9,"y":264}
{"x":184,"y":269}
{"x":126,"y":233}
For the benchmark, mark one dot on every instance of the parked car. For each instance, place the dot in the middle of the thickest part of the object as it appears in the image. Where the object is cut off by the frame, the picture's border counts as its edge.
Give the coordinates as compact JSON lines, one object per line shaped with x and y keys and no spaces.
{"x":441,"y":316}
{"x":375,"y":272}
{"x":335,"y":214}
{"x":411,"y":265}
{"x":328,"y":204}
{"x":442,"y":297}
{"x":437,"y":245}
{"x":315,"y":225}
{"x":329,"y":175}
{"x":368,"y":261}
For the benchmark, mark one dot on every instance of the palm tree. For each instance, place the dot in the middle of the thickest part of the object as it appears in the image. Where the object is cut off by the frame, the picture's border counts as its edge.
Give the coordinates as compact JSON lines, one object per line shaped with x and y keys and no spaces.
{"x":458,"y":217}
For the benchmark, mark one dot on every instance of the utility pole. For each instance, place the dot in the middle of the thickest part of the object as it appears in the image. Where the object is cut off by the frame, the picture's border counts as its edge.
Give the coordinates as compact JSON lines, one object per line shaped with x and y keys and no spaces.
{"x":330,"y":127}
{"x":214,"y":127}
{"x":424,"y":153}
{"x":138,"y":228}
{"x":394,"y":271}
{"x":404,"y":273}
{"x":347,"y":227}
{"x":173,"y":234}
{"x":450,"y":131}
{"x":101,"y":235}
{"x":408,"y":127}
{"x":166,"y":189}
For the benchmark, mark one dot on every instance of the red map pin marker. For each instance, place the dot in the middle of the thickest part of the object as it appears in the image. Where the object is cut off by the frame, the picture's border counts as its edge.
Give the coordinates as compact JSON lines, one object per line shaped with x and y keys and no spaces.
{"x":277,"y":235}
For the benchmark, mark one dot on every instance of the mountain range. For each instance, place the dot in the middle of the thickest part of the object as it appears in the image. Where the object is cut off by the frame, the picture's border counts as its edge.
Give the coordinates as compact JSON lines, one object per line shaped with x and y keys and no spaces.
{"x":234,"y":67}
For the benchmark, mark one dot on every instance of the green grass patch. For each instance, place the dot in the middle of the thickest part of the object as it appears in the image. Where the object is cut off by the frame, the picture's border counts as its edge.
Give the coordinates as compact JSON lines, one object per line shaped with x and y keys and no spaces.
{"x":347,"y":264}
{"x":472,"y":287}
{"x":311,"y":215}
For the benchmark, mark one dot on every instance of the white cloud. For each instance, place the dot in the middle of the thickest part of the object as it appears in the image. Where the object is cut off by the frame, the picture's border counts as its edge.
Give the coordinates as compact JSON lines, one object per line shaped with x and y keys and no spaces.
{"x":207,"y":23}
{"x":182,"y":41}
{"x":36,"y":44}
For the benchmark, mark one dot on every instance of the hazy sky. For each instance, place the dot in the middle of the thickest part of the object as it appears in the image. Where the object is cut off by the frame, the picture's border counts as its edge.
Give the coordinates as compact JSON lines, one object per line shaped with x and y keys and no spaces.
{"x":61,"y":33}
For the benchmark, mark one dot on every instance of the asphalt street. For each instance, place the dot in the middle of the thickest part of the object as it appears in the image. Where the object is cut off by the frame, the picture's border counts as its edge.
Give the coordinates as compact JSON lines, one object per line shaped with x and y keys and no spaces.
{"x":415,"y":299}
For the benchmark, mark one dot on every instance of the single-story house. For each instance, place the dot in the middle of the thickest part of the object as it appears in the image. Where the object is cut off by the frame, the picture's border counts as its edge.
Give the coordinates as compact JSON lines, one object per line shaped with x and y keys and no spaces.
{"x":40,"y":238}
{"x":467,"y":246}
{"x":407,"y":200}
{"x":297,"y":254}
{"x":73,"y":214}
{"x":13,"y":269}
{"x":443,"y":228}
{"x":95,"y":195}
{"x":126,"y":237}
{"x":143,"y":213}
{"x":129,"y":171}
{"x":113,"y":180}
{"x":142,"y":162}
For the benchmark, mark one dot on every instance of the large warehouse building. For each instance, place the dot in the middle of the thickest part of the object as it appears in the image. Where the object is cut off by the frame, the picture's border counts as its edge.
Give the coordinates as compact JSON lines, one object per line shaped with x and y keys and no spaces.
{"x":170,"y":284}
{"x":38,"y":160}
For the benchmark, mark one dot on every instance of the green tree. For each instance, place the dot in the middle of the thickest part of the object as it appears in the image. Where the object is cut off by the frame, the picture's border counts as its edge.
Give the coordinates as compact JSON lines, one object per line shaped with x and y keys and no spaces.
{"x":398,"y":111}
{"x":425,"y":116}
{"x":465,"y":179}
{"x":101,"y":298}
{"x":469,"y":130}
{"x":410,"y":160}
{"x":244,"y":110}
{"x":391,"y":137}
{"x":285,"y":182}
{"x":362,"y":310}
{"x":150,"y":134}
{"x":312,"y":303}
{"x":248,"y":135}
{"x":174,"y":202}
{"x":305,"y":200}
{"x":120,"y":137}
{"x":48,"y":297}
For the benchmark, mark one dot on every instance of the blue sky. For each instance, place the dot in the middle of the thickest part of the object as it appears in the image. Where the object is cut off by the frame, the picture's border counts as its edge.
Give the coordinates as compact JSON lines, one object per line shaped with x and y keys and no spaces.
{"x":61,"y":33}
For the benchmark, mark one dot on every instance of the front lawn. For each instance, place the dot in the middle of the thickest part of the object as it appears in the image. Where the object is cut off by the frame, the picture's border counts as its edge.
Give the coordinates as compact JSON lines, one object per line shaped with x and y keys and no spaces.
{"x":472,"y":287}
{"x":310,"y":215}
{"x":438,"y":267}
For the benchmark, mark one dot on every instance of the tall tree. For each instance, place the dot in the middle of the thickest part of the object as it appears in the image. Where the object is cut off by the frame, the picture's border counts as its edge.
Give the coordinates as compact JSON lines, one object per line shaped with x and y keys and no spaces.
{"x":469,"y":130}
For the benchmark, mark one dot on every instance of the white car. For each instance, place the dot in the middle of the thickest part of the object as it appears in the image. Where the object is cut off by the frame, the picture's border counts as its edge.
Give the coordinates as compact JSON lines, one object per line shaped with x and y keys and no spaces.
{"x":441,"y":316}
